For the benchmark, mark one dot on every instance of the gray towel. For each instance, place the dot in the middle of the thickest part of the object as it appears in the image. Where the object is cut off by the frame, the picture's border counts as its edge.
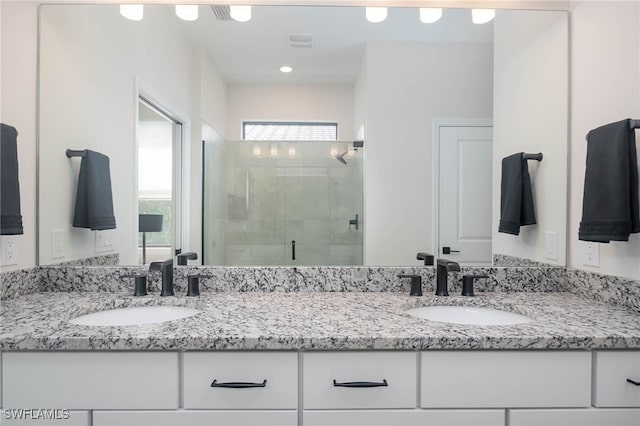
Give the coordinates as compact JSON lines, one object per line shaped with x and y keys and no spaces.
{"x":610,"y":208}
{"x":94,"y":201}
{"x":10,"y":216}
{"x":516,"y":196}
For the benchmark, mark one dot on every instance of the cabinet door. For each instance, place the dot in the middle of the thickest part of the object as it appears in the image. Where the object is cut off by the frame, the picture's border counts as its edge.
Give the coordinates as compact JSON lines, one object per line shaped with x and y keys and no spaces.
{"x":332,"y":379}
{"x":496,"y":379}
{"x":243,"y":380}
{"x":90,"y":380}
{"x":568,"y":417}
{"x":611,"y":369}
{"x":404,"y":418}
{"x":195,"y":418}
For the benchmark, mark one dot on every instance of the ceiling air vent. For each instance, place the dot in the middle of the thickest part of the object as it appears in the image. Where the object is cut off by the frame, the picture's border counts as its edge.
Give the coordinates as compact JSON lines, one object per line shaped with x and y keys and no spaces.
{"x":301,"y":40}
{"x":222,"y":12}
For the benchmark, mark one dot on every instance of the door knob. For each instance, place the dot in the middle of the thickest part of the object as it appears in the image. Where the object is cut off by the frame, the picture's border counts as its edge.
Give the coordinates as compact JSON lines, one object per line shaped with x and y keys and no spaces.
{"x":449,"y":250}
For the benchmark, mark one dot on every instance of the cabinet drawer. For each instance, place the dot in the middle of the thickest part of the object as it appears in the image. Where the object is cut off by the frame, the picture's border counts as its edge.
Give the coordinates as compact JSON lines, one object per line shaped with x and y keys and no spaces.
{"x":575,"y":417}
{"x":324,"y":373}
{"x":492,"y":379}
{"x":195,"y":418}
{"x":404,"y":417}
{"x":277,"y":370}
{"x":88,"y":380}
{"x":610,"y":373}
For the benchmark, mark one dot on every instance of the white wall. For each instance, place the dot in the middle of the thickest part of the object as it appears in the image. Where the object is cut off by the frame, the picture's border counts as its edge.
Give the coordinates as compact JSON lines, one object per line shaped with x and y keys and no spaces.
{"x":91,"y":59}
{"x":19,"y":21}
{"x":605,"y":87}
{"x":332,"y":103}
{"x":408,"y":86}
{"x":530,"y":109}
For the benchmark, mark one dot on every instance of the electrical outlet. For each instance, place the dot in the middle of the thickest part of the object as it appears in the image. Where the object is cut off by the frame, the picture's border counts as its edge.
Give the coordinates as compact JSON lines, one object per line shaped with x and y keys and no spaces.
{"x":592,"y":255}
{"x":551,"y":245}
{"x":57,"y":243}
{"x":9,"y":250}
{"x":104,"y":241}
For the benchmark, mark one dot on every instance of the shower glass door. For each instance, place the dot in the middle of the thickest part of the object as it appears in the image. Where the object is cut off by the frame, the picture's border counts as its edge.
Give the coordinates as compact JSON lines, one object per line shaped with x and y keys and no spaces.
{"x":282,"y":203}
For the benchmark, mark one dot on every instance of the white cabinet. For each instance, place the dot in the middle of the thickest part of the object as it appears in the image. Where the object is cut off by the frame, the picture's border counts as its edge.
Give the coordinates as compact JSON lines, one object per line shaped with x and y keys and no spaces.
{"x":611,"y":369}
{"x":90,"y":380}
{"x":575,"y":417}
{"x":359,"y":380}
{"x":495,"y":379}
{"x":404,"y":417}
{"x":195,"y":418}
{"x":243,"y":380}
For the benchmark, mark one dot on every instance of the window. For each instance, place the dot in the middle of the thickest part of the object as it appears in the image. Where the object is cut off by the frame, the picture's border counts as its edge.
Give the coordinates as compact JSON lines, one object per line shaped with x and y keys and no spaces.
{"x":289,"y":131}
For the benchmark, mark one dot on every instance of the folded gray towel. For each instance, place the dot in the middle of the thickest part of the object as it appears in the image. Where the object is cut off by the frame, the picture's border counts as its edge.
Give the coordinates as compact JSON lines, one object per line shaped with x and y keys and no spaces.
{"x":516,"y":196}
{"x":610,"y":208}
{"x":10,"y":216}
{"x":94,"y":200}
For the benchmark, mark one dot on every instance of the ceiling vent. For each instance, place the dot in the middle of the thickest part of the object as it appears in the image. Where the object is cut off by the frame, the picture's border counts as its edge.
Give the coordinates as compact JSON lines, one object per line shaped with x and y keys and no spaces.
{"x":222,"y":12}
{"x":301,"y":40}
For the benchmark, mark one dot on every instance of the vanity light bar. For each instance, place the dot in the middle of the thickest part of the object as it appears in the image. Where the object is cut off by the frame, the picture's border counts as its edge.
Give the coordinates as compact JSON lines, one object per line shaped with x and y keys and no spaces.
{"x":429,"y":15}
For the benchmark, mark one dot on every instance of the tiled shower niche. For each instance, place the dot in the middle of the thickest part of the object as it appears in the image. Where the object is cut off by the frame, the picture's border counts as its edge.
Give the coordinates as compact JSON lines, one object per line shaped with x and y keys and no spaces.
{"x":263,"y":200}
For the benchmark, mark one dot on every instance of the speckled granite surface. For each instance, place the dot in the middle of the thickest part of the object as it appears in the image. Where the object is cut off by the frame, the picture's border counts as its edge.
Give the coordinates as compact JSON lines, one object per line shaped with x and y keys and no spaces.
{"x":111,"y":259}
{"x":308,"y":321}
{"x":605,"y":288}
{"x":508,"y":260}
{"x":19,"y":282}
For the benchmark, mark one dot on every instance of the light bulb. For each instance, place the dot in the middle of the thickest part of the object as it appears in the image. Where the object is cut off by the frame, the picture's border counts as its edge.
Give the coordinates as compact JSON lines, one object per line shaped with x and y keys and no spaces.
{"x":429,"y":15}
{"x":333,"y":152}
{"x":256,"y":150}
{"x":134,"y":12}
{"x":292,"y":151}
{"x":274,"y":150}
{"x":376,"y":14}
{"x":286,"y":69}
{"x":482,"y":16}
{"x":187,"y":12}
{"x":240,"y":13}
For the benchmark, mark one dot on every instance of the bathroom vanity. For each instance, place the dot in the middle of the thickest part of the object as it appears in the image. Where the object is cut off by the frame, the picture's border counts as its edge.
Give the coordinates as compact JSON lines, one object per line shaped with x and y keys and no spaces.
{"x":323,"y":358}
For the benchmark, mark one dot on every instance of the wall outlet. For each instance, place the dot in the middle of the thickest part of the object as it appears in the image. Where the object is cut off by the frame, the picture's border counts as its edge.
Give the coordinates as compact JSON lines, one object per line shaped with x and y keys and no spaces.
{"x":551,"y":245}
{"x":9,"y":249}
{"x":57,"y":243}
{"x":592,"y":255}
{"x":104,"y":241}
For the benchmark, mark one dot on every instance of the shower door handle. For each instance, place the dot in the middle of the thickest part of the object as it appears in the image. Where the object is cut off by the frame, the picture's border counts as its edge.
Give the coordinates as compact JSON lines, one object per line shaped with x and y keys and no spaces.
{"x":293,"y":249}
{"x":449,"y":250}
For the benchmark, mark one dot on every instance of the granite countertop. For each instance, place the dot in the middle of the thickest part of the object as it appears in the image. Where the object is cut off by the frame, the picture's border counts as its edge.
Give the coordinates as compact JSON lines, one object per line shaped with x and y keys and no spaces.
{"x":315,"y":321}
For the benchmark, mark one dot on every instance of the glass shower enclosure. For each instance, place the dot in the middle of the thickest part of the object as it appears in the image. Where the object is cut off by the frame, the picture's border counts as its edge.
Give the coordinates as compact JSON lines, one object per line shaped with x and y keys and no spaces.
{"x":282,"y":203}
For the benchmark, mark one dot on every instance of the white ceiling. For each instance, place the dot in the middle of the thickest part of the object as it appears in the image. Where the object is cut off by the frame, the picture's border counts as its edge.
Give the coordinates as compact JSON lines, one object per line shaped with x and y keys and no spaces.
{"x":253,"y":51}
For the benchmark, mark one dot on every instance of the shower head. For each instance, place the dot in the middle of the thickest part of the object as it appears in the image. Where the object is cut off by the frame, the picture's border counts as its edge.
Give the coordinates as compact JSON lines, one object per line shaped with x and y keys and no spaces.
{"x":340,"y":157}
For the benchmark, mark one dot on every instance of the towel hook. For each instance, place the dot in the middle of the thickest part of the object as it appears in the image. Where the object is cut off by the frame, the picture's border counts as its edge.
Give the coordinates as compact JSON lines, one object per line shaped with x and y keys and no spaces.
{"x":76,"y":153}
{"x":537,"y":157}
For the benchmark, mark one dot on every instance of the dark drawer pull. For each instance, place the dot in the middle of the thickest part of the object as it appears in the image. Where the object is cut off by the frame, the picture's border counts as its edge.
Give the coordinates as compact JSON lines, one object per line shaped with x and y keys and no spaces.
{"x":633,"y":382}
{"x":238,"y":385}
{"x":360,"y":384}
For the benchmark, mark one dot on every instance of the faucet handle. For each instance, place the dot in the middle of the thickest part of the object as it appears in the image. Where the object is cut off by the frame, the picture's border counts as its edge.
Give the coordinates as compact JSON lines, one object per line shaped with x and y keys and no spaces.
{"x":426,"y":257}
{"x":416,"y":284}
{"x":140,"y":286}
{"x":193,"y":284}
{"x":184,"y":257}
{"x":467,"y":284}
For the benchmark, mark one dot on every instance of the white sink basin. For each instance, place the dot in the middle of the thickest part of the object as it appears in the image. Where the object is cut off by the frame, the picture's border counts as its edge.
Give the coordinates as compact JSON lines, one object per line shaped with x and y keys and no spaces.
{"x":468,"y":315}
{"x":135,"y":316}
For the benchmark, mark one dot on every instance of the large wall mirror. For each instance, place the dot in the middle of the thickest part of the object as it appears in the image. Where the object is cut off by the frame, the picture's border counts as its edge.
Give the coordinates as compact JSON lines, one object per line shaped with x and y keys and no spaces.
{"x":384,"y":140}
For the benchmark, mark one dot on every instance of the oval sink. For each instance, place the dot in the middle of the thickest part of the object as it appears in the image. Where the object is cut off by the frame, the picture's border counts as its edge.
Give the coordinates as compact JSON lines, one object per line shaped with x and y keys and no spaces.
{"x":135,"y":315}
{"x":468,"y":315}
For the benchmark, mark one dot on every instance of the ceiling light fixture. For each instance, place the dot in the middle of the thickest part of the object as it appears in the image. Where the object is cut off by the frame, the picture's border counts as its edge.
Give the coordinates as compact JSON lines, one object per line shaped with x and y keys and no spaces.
{"x":187,"y":12}
{"x":133,"y":12}
{"x":482,"y":16}
{"x":240,"y":13}
{"x":429,"y":15}
{"x":376,"y":14}
{"x":286,"y":69}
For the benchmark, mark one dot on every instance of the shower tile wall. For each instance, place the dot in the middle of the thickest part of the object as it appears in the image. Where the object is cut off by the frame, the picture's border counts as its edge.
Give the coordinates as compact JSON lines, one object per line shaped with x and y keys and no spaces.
{"x":274,"y":197}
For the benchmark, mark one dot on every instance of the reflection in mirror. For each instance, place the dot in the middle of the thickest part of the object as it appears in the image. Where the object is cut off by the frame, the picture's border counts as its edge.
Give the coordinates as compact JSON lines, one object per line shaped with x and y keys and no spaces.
{"x":400,"y":85}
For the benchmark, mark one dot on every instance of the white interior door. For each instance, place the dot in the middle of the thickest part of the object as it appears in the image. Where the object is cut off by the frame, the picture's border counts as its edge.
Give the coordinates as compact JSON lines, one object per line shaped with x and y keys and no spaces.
{"x":465,"y":194}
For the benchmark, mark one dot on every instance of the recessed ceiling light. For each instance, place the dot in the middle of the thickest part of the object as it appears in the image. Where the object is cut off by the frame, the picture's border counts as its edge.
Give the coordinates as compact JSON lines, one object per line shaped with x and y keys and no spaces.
{"x":240,"y":13}
{"x":429,"y":15}
{"x":482,"y":16}
{"x":286,"y":68}
{"x":187,"y":12}
{"x":134,"y":12}
{"x":376,"y":14}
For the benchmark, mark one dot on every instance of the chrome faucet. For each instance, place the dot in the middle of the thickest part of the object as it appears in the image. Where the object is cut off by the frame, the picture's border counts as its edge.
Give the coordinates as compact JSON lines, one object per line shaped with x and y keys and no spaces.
{"x":166,"y":270}
{"x":444,"y":267}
